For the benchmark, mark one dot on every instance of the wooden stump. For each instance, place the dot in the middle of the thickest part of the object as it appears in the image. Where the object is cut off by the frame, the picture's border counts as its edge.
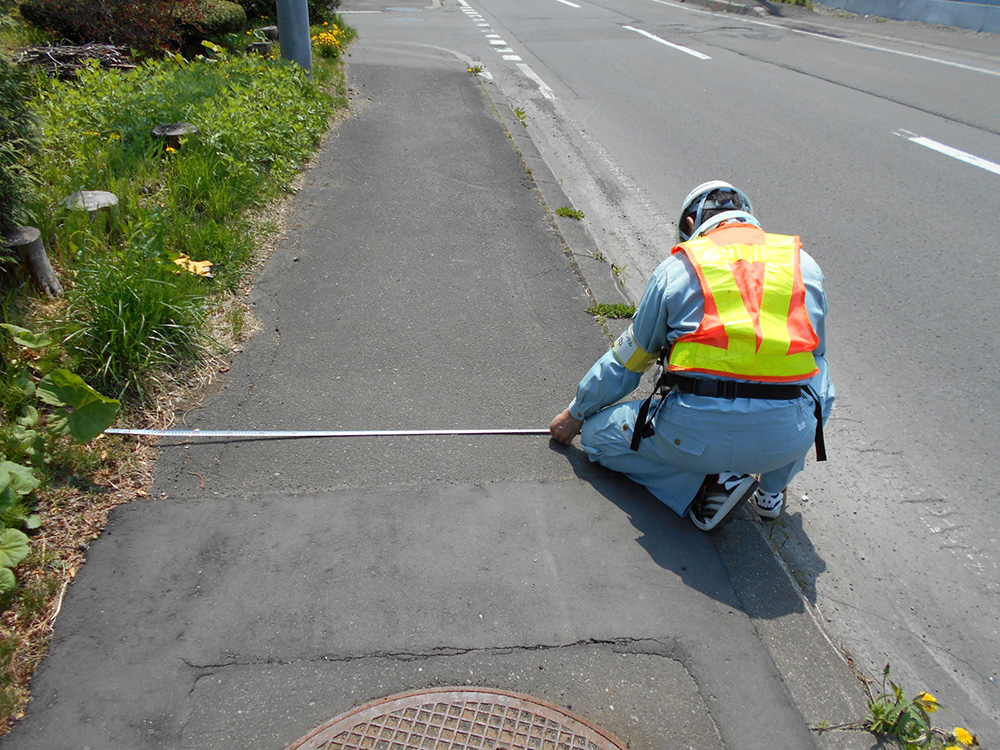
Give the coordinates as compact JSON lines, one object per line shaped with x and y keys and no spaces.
{"x":270,"y":32}
{"x":175,"y":133}
{"x":91,"y":201}
{"x":97,"y":203}
{"x":261,"y":48}
{"x":27,"y":243}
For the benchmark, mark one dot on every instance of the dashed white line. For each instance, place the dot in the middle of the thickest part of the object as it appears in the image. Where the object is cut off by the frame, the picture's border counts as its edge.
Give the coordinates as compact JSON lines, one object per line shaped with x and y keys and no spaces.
{"x":542,"y":86}
{"x":954,"y":153}
{"x":567,"y":2}
{"x":824,"y":37}
{"x":686,"y":50}
{"x":506,"y":52}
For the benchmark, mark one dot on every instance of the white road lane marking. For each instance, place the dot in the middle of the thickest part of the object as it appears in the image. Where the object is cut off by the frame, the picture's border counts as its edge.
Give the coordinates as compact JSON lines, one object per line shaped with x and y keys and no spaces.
{"x":851,"y":42}
{"x":507,"y":53}
{"x":687,"y":50}
{"x":542,"y":86}
{"x":954,"y":153}
{"x":567,"y":2}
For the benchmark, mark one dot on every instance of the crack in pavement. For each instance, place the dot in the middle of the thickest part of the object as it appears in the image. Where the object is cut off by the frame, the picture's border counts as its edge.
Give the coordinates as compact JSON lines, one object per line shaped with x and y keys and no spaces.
{"x":635,"y":646}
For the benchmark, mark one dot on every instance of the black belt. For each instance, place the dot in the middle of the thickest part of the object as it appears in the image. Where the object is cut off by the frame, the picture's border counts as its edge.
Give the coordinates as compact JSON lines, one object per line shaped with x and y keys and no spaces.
{"x":724,"y":389}
{"x":730,"y":388}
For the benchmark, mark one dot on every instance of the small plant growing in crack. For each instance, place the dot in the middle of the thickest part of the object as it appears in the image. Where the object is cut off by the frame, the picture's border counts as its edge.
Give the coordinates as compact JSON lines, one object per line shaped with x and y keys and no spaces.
{"x":521,"y":115}
{"x":612,"y":310}
{"x":907,"y":720}
{"x":570,"y":213}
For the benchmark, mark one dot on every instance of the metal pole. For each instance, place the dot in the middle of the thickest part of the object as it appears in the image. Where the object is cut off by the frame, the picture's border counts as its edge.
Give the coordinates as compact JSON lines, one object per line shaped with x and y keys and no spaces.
{"x":255,"y":434}
{"x":293,"y":32}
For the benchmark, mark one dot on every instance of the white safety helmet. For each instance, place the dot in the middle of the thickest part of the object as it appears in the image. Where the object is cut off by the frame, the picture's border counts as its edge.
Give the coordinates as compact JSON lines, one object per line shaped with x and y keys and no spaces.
{"x":728,"y":203}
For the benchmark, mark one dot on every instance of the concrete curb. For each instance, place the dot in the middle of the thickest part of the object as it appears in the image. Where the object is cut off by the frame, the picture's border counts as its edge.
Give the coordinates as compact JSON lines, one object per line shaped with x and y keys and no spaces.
{"x":594,"y":271}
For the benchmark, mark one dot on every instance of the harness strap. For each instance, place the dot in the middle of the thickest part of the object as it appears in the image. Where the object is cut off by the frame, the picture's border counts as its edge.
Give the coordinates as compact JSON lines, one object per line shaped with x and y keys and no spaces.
{"x":669,"y":381}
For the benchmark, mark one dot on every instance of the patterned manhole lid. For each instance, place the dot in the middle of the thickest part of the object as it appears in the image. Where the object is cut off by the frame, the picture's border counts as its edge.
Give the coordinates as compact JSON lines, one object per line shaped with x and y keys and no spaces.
{"x":457,"y":718}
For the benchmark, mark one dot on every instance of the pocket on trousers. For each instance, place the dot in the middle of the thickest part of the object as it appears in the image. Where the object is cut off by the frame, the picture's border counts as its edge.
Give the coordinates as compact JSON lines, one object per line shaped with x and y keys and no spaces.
{"x":682,"y":443}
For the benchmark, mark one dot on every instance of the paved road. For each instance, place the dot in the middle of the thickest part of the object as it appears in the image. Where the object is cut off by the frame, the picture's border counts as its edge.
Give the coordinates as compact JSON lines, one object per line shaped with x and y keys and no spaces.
{"x":844,"y":130}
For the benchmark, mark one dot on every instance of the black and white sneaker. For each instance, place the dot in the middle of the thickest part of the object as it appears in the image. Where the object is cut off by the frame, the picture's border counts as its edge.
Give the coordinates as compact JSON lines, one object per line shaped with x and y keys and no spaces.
{"x":768,"y":506}
{"x":717,"y":500}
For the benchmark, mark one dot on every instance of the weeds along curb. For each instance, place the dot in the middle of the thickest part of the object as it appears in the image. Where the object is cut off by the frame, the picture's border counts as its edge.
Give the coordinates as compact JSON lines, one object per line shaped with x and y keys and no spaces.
{"x":594,"y":272}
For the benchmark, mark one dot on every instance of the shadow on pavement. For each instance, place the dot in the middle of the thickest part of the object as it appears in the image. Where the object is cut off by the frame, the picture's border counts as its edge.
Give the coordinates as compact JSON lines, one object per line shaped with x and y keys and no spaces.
{"x":675,"y":545}
{"x":789,"y":537}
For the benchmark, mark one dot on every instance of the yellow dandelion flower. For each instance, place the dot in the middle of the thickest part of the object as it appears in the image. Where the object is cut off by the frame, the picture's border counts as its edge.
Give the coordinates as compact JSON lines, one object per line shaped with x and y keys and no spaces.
{"x":929,"y":702}
{"x":964,"y":736}
{"x":171,"y":150}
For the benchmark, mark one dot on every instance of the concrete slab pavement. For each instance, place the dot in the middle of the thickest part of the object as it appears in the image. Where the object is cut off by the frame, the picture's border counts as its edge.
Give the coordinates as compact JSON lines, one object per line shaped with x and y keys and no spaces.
{"x":272,"y":585}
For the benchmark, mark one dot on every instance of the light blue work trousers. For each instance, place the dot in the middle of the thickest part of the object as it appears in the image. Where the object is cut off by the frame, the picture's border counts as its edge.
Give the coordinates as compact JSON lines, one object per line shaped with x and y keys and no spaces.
{"x":698,"y":435}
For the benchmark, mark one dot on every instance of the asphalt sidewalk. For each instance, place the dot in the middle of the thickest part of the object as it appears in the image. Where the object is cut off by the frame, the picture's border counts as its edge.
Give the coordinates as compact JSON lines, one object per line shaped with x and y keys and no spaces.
{"x":268,"y":586}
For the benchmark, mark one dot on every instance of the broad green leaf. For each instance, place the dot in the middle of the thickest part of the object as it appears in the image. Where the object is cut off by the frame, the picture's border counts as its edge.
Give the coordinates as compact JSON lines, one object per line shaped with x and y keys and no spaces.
{"x":91,"y":412}
{"x":7,"y":580}
{"x":27,"y":338}
{"x":88,"y":421}
{"x":29,"y":417}
{"x":25,"y":382}
{"x":34,"y":521}
{"x":21,"y":479}
{"x":7,"y":495}
{"x":14,"y":547}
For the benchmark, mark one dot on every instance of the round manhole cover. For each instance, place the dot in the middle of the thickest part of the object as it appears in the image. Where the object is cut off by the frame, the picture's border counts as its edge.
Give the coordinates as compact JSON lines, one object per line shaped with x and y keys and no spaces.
{"x":455,"y":719}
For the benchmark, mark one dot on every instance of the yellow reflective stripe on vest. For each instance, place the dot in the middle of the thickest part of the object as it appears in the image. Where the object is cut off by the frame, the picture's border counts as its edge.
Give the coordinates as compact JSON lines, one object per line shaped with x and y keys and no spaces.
{"x":734,"y":339}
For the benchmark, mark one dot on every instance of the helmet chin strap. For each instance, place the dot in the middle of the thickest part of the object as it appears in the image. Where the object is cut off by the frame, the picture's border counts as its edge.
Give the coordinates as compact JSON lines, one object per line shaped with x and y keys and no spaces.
{"x":710,"y":224}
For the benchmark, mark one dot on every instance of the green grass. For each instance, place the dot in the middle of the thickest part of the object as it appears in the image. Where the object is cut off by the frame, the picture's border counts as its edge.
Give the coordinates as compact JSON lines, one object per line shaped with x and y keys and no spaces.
{"x":131,"y":316}
{"x":614,"y":310}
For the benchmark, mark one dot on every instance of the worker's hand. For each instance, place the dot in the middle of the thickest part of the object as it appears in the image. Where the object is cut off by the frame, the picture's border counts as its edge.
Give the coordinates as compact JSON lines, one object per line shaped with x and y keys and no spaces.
{"x":565,"y":427}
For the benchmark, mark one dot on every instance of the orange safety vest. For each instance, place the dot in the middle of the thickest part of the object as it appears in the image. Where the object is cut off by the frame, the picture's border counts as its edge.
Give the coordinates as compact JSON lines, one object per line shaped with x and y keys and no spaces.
{"x":756,"y":325}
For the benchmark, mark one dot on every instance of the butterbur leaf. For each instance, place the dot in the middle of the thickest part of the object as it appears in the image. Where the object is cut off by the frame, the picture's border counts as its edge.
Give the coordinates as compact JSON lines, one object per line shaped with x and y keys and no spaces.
{"x":7,"y":580}
{"x":26,"y":338}
{"x":63,"y":388}
{"x":29,"y":417}
{"x":21,"y":480}
{"x":34,"y":521}
{"x":91,"y":419}
{"x":14,"y":547}
{"x":7,"y":496}
{"x":25,"y":382}
{"x":91,"y":412}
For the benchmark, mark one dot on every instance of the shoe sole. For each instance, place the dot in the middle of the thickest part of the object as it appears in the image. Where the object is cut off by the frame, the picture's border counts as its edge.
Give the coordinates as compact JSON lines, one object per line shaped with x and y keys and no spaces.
{"x":743,"y":490}
{"x":769,"y":514}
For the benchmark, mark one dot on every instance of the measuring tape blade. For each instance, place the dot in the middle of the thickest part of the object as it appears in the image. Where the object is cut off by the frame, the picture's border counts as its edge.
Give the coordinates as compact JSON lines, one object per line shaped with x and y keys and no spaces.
{"x":319,"y":433}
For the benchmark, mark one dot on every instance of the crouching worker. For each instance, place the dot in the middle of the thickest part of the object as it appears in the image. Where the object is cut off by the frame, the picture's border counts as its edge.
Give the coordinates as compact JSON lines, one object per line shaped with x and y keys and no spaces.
{"x":736,"y":318}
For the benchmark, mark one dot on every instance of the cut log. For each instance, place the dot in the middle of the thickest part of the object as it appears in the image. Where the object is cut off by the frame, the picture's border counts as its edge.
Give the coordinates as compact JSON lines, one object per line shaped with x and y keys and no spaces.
{"x":27,"y":243}
{"x":175,"y":133}
{"x":269,"y":32}
{"x":261,"y":48}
